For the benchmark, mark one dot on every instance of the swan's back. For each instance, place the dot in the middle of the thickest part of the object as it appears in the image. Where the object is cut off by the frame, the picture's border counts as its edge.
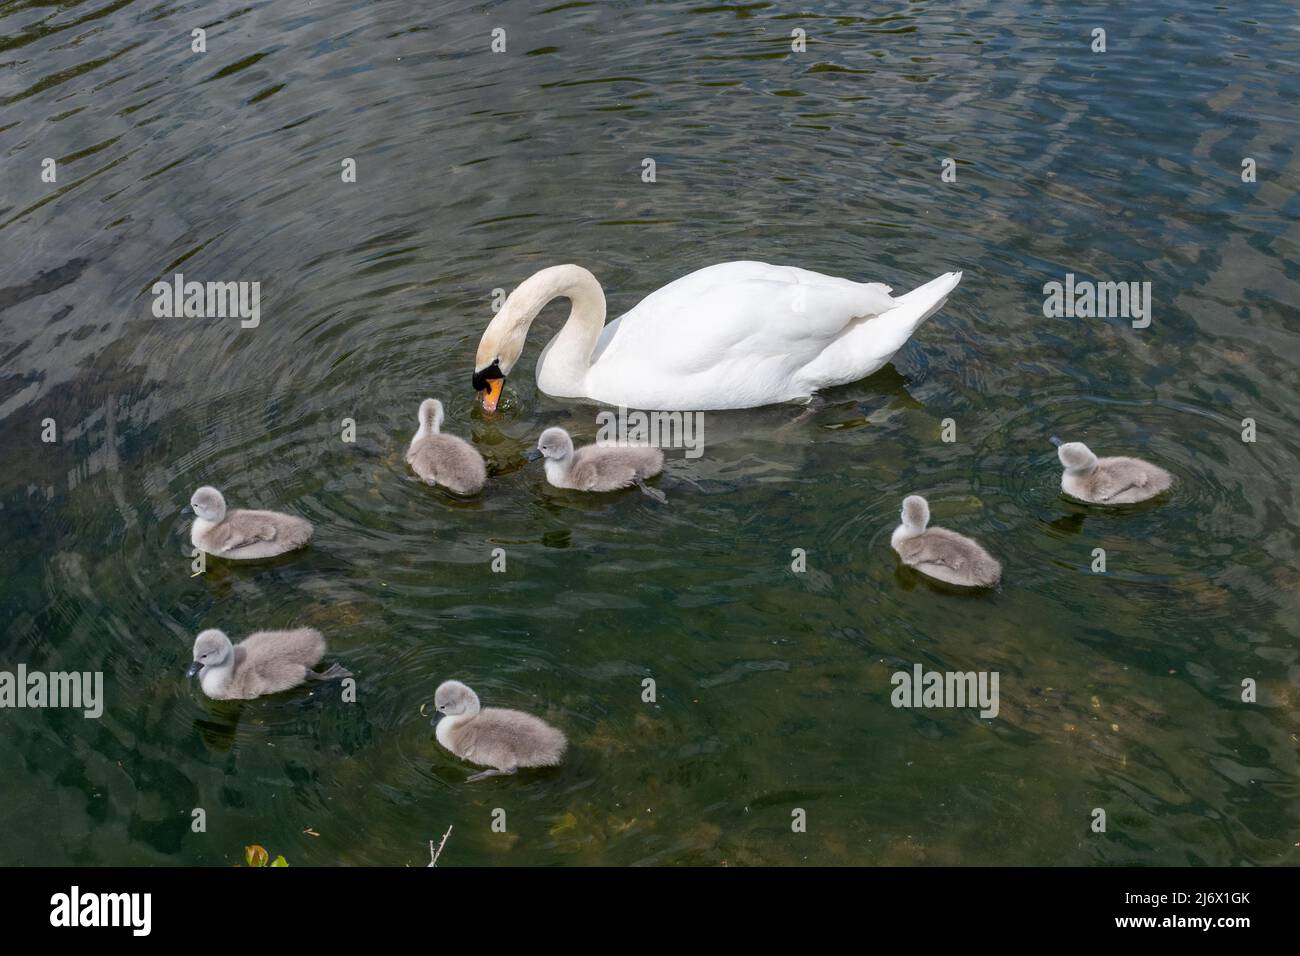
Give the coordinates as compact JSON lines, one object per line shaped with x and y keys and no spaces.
{"x":729,"y":335}
{"x":503,"y":738}
{"x":768,"y":309}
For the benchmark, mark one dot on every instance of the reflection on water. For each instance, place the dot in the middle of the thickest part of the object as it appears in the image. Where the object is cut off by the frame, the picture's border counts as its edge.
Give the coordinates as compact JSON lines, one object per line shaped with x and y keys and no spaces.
{"x":474,"y":169}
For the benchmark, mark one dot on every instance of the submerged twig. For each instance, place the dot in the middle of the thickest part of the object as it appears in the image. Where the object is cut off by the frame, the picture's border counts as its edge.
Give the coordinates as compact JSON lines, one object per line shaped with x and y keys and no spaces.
{"x":434,"y":854}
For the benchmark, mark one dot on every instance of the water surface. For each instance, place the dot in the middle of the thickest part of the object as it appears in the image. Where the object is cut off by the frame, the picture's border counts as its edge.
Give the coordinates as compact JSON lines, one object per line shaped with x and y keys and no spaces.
{"x":1118,"y":690}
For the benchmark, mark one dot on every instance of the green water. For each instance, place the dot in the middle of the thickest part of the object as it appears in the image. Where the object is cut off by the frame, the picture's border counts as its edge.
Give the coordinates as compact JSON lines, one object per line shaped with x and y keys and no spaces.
{"x":1119,"y":691}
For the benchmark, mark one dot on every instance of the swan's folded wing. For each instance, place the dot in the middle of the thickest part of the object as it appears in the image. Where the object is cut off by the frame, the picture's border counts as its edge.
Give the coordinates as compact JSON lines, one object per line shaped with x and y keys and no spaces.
{"x":743,"y":311}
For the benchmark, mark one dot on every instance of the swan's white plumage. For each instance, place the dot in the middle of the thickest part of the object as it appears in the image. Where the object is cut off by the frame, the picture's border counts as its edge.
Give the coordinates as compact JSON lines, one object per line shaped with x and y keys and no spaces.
{"x":732,"y":335}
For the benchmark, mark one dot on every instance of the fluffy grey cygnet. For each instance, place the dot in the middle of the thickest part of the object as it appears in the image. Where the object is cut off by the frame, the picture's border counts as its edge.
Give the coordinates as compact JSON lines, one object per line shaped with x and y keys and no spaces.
{"x":444,"y":459}
{"x":597,"y":467}
{"x":939,"y":553}
{"x":495,"y":737}
{"x":1108,"y":481}
{"x":266,"y":662}
{"x":242,"y":535}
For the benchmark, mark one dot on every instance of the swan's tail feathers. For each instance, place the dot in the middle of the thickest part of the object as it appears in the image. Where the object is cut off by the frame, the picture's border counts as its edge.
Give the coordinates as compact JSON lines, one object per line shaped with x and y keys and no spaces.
{"x":870,"y":341}
{"x":924,"y":301}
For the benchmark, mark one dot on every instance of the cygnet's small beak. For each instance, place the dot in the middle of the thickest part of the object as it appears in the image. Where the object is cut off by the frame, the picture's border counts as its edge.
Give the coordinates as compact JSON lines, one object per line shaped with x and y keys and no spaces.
{"x":534,"y":454}
{"x":187,"y":510}
{"x":437,"y":716}
{"x":195,"y":667}
{"x":1056,"y":441}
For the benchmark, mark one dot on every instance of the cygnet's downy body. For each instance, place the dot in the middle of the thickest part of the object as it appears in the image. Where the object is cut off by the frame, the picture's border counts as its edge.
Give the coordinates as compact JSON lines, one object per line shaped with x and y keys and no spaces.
{"x":597,"y":467}
{"x":495,"y":737}
{"x":243,"y":535}
{"x":939,"y":553}
{"x":442,"y":459}
{"x":1108,"y":481}
{"x":266,"y":662}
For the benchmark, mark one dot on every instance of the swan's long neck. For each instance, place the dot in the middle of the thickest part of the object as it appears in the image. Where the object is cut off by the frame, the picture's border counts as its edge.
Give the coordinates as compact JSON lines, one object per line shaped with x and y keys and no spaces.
{"x":568,"y":356}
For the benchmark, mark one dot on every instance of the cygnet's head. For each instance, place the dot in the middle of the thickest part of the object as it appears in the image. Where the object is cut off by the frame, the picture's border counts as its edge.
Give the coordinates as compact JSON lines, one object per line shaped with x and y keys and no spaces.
{"x":554,"y":445}
{"x":211,"y":649}
{"x":1077,"y":457}
{"x":208,"y":504}
{"x":453,"y":699}
{"x":916,"y":512}
{"x":431,"y":415}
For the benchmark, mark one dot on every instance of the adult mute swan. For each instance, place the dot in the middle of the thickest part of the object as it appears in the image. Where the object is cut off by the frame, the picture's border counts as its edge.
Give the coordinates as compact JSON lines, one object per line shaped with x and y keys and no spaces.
{"x":731,"y":335}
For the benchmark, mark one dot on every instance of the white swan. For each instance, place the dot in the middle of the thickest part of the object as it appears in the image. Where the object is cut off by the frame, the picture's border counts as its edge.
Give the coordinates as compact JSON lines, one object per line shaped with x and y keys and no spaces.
{"x":732,"y":335}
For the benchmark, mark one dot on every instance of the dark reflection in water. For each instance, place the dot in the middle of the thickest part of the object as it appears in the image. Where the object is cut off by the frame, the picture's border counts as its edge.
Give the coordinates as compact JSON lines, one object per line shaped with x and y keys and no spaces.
{"x":1119,"y":690}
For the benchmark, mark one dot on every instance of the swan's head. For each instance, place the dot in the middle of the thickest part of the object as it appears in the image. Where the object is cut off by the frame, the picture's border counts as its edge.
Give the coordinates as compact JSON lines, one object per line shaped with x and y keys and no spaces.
{"x":211,"y":649}
{"x":431,"y":415}
{"x":554,"y":445}
{"x":503,"y":339}
{"x":915,"y":513}
{"x":490,"y":378}
{"x":453,"y":699}
{"x":208,"y":504}
{"x":500,"y":348}
{"x":1077,"y":457}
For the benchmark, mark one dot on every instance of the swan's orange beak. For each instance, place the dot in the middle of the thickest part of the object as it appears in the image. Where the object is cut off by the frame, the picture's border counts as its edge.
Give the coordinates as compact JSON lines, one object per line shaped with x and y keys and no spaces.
{"x":491,"y":395}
